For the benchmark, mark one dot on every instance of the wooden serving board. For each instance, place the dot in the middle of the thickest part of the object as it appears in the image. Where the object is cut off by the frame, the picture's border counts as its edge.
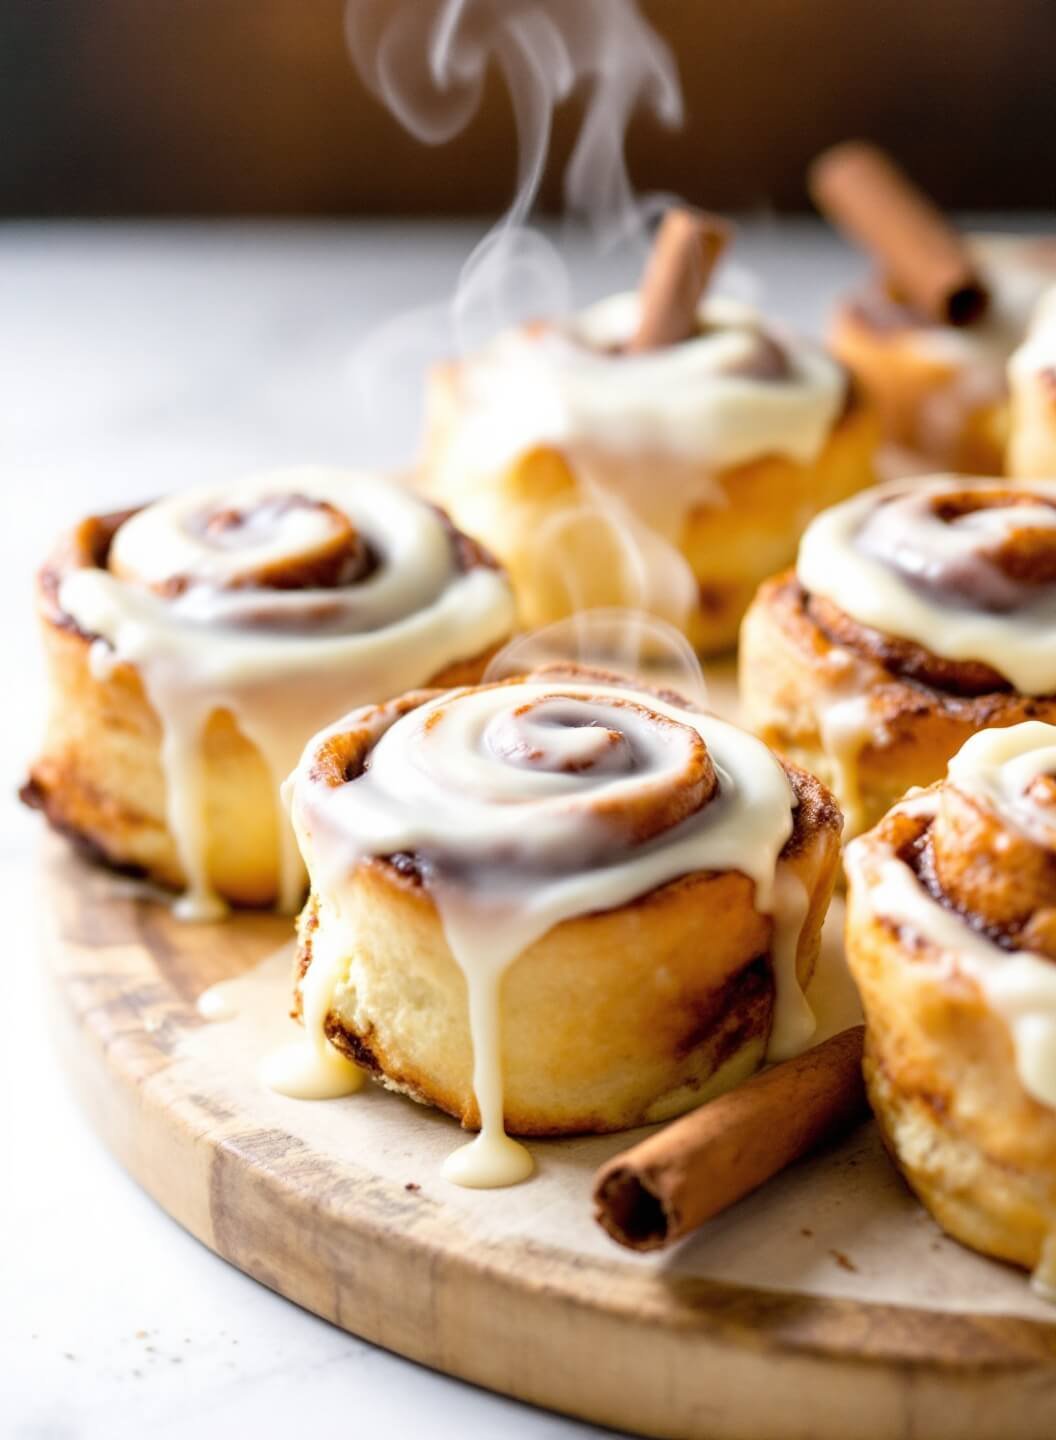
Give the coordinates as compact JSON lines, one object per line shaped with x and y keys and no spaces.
{"x":828,"y":1305}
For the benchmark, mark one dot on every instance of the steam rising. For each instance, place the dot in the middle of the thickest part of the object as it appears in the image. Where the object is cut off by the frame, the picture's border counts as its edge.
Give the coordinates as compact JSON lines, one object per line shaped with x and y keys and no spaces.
{"x":628,"y":642}
{"x":427,"y":61}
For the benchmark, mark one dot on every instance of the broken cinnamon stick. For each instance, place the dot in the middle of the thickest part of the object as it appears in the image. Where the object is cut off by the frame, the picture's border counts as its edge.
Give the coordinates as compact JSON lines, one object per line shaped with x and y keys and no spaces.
{"x":863,"y":192}
{"x":684,"y":254}
{"x":688,"y":1172}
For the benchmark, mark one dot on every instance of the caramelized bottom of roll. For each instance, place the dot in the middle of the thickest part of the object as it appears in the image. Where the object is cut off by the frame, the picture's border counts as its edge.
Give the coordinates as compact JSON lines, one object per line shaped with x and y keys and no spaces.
{"x":613,"y":1019}
{"x":975,"y":1146}
{"x":99,"y":778}
{"x":870,"y":715}
{"x":730,"y":546}
{"x":956,"y":418}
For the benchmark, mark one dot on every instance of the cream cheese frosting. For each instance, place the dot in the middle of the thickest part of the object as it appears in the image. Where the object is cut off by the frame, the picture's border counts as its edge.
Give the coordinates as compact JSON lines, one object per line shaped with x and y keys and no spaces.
{"x":509,"y":797}
{"x":713,"y":399}
{"x":890,"y":561}
{"x":282,"y":661}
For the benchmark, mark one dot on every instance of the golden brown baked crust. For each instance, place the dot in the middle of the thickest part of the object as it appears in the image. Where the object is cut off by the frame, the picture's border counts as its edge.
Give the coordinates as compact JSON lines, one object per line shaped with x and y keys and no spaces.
{"x":730,"y":546}
{"x":801,"y":656}
{"x":978,"y":1149}
{"x":926,"y":403}
{"x":99,"y":779}
{"x":613,"y":1019}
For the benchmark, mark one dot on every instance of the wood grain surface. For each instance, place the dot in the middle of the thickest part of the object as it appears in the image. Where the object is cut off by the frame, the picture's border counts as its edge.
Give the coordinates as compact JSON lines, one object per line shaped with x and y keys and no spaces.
{"x":643,"y":1348}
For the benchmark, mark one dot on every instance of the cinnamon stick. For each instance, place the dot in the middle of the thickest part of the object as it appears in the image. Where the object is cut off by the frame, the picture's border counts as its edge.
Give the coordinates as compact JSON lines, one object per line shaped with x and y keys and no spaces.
{"x":686,"y":250}
{"x":863,"y":192}
{"x":688,"y":1172}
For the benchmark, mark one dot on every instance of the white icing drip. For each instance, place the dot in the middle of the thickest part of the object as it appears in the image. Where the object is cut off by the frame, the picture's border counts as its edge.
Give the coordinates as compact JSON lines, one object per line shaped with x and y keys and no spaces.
{"x":217,"y":1002}
{"x":557,"y":385}
{"x":311,"y":1068}
{"x":1032,"y":381}
{"x":902,"y":531}
{"x":794,"y":1022}
{"x":400,"y":625}
{"x":846,"y":726}
{"x":513,"y":844}
{"x":1019,"y":985}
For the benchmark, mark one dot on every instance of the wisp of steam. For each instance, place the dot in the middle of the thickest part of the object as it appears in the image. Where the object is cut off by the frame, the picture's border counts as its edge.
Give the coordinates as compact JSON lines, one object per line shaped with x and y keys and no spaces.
{"x":427,"y":60}
{"x":627,"y":642}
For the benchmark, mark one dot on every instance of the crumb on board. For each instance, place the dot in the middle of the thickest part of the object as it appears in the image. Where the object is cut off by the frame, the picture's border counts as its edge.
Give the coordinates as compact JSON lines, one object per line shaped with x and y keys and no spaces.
{"x":844,"y":1261}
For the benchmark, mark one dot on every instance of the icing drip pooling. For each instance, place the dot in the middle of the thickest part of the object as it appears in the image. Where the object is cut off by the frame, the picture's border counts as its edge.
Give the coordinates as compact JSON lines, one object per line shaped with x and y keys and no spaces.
{"x":965,"y":568}
{"x":281,"y":600}
{"x":527,"y":803}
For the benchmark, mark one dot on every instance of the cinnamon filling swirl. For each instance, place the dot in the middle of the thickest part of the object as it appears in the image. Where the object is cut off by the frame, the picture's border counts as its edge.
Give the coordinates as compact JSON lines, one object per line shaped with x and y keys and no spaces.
{"x":952,"y":582}
{"x":521,"y":804}
{"x":969,"y":870}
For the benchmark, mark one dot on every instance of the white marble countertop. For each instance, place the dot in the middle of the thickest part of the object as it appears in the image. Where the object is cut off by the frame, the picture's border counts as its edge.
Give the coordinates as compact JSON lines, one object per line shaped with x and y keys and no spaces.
{"x":134,"y":359}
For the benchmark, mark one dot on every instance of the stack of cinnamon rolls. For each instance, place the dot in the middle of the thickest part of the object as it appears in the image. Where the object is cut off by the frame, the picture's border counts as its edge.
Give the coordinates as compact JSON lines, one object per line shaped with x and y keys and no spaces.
{"x":572,"y":900}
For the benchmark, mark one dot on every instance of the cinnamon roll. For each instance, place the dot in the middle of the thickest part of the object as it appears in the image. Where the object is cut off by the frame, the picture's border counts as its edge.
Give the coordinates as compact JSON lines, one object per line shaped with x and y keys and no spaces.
{"x":1032,"y":383}
{"x":951,"y":937}
{"x":941,"y":389}
{"x":672,"y":479}
{"x":917,"y":614}
{"x":195,"y":644}
{"x":554,"y":904}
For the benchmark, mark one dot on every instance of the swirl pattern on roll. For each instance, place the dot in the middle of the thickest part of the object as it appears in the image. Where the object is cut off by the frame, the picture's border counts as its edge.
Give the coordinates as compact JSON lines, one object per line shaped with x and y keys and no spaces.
{"x":315,"y":554}
{"x":527,"y":802}
{"x":283,"y":599}
{"x":969,"y":866}
{"x":535,"y":776}
{"x":963,"y":568}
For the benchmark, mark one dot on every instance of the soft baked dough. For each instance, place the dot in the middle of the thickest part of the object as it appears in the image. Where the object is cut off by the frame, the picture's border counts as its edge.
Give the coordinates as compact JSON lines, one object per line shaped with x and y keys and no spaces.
{"x":730,"y":546}
{"x":99,"y":779}
{"x":612,"y":1019}
{"x":974,"y":1145}
{"x":793,"y":670}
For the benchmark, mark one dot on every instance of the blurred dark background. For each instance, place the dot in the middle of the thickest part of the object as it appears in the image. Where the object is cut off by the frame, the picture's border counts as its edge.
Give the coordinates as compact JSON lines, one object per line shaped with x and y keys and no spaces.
{"x":231,"y":107}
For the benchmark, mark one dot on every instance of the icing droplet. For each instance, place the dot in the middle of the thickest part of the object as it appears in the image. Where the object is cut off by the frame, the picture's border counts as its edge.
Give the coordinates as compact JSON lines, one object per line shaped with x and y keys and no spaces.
{"x":217,"y":1003}
{"x":488,"y":1162}
{"x":304,"y":1072}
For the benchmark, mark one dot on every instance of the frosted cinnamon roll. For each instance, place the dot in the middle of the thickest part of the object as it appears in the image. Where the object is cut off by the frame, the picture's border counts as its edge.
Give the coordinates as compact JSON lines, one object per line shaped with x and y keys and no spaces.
{"x":195,"y":644}
{"x":951,"y":937}
{"x":673,"y":479}
{"x":917,"y":614}
{"x":1032,"y":383}
{"x":941,"y":389}
{"x":554,"y":904}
